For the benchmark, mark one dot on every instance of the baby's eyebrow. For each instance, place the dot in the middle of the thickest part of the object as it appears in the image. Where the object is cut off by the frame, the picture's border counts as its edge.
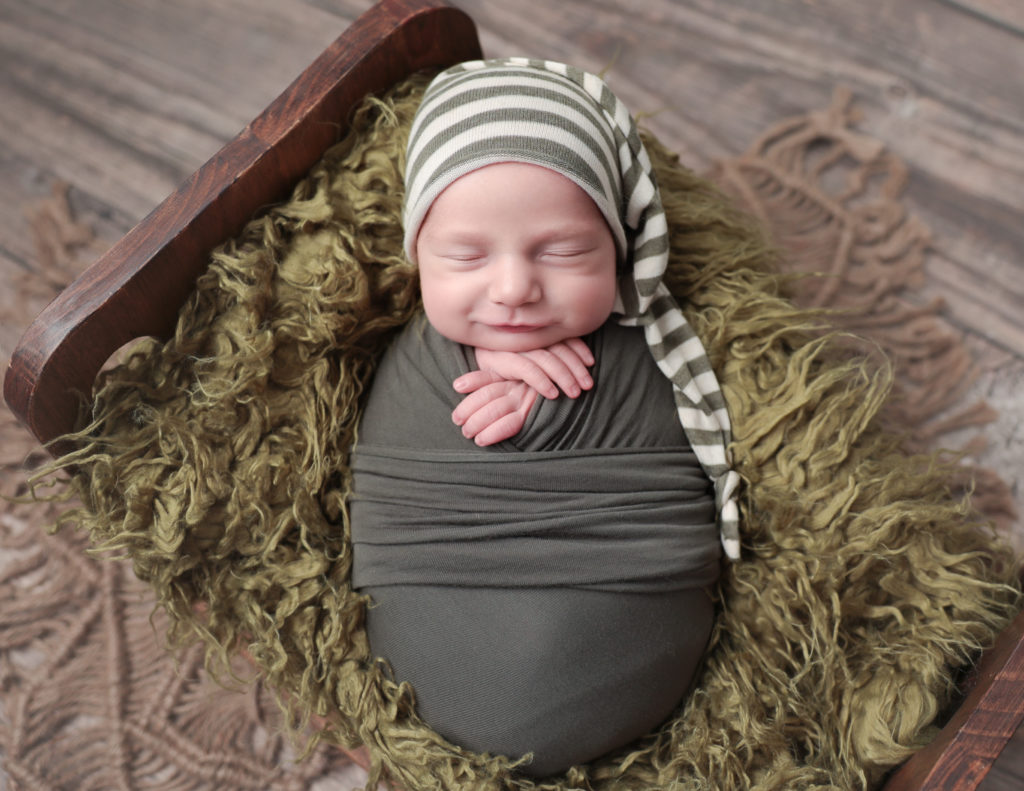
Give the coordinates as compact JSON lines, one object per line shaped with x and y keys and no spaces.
{"x":452,"y":235}
{"x":569,"y":233}
{"x":453,"y":231}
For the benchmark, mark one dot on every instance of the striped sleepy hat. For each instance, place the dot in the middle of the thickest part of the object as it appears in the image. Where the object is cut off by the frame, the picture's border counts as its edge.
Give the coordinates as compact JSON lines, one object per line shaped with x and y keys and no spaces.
{"x":550,"y":114}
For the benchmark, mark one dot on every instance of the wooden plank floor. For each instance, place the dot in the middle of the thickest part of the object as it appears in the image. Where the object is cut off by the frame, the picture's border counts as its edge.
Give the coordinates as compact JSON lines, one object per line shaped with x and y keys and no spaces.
{"x":122,"y":99}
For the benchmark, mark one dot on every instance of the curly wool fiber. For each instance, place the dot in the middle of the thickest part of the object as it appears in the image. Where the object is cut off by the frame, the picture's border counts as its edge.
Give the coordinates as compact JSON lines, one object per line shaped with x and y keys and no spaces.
{"x":216,"y":462}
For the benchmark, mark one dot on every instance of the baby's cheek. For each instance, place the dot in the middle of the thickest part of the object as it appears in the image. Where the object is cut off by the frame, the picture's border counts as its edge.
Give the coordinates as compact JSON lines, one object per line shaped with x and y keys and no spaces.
{"x":437,"y":304}
{"x":591,"y":303}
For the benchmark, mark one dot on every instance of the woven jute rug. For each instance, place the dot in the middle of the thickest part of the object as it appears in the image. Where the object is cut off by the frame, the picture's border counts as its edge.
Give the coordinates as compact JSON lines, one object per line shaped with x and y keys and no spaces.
{"x":90,"y":700}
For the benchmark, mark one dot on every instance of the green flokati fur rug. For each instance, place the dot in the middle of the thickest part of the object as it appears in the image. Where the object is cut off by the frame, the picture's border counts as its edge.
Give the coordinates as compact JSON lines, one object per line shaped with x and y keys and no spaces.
{"x":217,"y":463}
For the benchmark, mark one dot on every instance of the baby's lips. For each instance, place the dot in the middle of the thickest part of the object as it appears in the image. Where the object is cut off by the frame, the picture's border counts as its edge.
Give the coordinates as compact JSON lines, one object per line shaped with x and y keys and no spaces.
{"x":517,"y":328}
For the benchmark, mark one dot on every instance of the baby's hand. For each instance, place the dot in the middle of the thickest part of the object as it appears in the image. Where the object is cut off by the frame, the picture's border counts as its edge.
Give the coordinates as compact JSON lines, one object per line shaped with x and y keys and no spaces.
{"x":505,"y":388}
{"x":496,"y":410}
{"x":561,"y":365}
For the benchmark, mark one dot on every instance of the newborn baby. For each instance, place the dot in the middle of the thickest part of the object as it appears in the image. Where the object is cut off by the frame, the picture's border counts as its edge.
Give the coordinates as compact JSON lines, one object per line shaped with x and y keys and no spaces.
{"x":544,"y":587}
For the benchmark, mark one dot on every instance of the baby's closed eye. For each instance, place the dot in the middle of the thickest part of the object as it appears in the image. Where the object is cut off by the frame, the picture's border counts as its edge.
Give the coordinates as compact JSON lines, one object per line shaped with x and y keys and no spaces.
{"x":565,"y":254}
{"x":462,"y":256}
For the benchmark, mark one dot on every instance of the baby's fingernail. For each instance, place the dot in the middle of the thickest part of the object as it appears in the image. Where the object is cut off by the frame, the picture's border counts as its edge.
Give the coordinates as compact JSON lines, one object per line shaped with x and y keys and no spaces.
{"x":586,"y":383}
{"x":573,"y":391}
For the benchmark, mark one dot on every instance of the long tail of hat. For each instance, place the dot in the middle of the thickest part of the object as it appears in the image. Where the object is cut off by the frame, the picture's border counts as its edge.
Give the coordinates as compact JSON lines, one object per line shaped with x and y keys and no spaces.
{"x":700,"y":404}
{"x":645,"y":301}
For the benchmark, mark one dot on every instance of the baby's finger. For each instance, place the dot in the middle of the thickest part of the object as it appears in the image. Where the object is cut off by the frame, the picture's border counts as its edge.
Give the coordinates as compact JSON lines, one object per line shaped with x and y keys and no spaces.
{"x":528,"y":371}
{"x":490,"y":413}
{"x":579,"y":346}
{"x":537,"y":377}
{"x":577,"y":365}
{"x":557,"y":370}
{"x":478,"y":400}
{"x":515,"y":366}
{"x":507,"y":426}
{"x":474,"y":380}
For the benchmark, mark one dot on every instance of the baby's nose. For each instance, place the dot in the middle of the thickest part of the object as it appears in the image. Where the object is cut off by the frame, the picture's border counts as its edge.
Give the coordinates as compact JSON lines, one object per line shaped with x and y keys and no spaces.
{"x":515,"y":281}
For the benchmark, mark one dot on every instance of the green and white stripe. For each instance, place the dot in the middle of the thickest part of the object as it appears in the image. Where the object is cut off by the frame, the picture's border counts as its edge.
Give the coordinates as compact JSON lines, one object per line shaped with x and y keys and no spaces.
{"x":550,"y":114}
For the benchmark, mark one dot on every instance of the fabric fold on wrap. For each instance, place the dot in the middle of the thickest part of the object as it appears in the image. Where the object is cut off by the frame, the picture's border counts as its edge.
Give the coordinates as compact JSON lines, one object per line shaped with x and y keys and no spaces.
{"x":604,"y":519}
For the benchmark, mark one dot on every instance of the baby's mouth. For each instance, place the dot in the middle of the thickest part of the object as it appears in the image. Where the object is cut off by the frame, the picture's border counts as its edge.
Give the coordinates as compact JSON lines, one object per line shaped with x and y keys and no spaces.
{"x":516,"y":327}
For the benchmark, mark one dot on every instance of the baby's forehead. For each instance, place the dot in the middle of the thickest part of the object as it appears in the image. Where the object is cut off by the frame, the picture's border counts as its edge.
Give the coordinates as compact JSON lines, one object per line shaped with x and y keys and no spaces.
{"x":539,"y":197}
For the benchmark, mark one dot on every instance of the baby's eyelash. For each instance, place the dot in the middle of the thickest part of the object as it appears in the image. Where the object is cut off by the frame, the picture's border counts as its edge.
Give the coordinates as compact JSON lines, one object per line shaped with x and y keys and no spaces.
{"x":566,"y":253}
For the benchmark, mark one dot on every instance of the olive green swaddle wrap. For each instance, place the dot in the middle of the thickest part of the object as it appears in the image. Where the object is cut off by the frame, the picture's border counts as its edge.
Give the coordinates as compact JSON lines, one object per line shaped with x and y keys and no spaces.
{"x":505,"y":580}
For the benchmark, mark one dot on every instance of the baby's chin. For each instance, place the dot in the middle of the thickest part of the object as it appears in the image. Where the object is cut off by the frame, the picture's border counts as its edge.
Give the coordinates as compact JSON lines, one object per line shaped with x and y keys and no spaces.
{"x":504,"y":341}
{"x":480,"y":335}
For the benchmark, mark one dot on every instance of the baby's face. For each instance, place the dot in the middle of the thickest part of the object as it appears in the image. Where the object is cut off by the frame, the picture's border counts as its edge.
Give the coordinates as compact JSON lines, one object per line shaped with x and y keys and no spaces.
{"x":514,"y":257}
